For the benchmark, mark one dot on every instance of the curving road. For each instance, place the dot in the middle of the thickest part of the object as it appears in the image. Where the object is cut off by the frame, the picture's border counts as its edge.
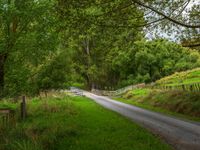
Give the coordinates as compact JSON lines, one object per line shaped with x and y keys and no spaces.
{"x":180,"y":134}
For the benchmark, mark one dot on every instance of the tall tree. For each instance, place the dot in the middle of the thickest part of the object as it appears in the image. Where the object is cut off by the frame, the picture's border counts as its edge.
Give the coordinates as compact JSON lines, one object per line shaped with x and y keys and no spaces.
{"x":26,"y":30}
{"x":96,"y":31}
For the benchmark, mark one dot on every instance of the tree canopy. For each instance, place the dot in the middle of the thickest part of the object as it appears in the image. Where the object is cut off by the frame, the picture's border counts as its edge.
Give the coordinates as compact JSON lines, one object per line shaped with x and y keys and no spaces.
{"x":53,"y":44}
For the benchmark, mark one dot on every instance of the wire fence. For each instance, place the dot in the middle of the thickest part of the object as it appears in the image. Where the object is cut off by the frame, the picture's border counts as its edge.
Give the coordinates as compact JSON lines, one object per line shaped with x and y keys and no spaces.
{"x":192,"y":87}
{"x":119,"y":91}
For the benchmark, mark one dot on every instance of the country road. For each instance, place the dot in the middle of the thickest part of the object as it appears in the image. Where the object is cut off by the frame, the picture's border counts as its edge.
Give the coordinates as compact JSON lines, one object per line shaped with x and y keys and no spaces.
{"x":180,"y":134}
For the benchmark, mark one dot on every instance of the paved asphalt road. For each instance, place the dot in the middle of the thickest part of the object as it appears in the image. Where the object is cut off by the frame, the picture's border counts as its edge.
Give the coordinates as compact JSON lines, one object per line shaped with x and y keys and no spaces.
{"x":181,"y":134}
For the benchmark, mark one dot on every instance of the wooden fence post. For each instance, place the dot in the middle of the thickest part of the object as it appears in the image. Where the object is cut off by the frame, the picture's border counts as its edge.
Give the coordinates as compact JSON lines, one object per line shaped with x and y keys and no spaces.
{"x":183,"y":87}
{"x":198,"y":87}
{"x":23,"y":108}
{"x":191,"y":88}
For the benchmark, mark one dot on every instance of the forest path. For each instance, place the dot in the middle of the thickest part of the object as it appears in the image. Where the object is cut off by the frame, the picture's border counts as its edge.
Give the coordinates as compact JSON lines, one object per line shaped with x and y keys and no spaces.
{"x":181,"y":134}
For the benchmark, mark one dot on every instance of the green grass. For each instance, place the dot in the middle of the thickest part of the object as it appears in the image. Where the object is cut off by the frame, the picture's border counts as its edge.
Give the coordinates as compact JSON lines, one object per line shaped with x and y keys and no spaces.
{"x":4,"y":104}
{"x":140,"y":92}
{"x":184,"y":105}
{"x":185,"y":77}
{"x":74,"y":123}
{"x":137,"y":93}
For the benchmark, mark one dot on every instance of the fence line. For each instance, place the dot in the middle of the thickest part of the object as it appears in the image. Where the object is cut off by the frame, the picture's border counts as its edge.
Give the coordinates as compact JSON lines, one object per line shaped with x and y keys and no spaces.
{"x":194,"y":87}
{"x":119,"y":91}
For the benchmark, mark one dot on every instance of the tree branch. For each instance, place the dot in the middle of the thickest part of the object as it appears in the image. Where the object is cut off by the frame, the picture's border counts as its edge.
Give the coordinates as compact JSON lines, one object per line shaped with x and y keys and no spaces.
{"x":191,"y":45}
{"x":164,"y":15}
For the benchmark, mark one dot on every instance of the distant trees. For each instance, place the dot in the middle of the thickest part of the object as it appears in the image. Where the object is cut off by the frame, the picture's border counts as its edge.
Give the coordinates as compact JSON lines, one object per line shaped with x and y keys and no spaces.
{"x":148,"y":61}
{"x":95,"y":32}
{"x":106,"y":39}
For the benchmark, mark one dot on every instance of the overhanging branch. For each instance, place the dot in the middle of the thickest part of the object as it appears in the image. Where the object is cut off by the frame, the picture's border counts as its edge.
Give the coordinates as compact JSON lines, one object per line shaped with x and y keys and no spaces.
{"x":164,"y":15}
{"x":191,"y":45}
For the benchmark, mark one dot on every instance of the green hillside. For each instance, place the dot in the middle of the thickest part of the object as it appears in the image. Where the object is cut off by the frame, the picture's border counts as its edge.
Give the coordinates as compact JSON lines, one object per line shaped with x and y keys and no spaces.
{"x":180,"y":98}
{"x":185,"y":77}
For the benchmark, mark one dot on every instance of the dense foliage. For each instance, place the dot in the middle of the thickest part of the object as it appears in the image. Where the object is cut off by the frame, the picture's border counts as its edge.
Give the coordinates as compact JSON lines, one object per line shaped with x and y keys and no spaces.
{"x":149,"y":61}
{"x":53,"y":44}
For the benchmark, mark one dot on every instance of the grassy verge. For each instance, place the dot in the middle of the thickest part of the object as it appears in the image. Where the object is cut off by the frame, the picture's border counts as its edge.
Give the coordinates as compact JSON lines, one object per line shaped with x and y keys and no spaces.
{"x":184,"y":105}
{"x":74,"y":123}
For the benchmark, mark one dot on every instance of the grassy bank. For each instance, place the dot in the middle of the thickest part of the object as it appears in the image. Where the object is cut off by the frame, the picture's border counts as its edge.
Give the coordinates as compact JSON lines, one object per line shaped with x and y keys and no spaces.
{"x":185,"y":77}
{"x":177,"y":103}
{"x":73,"y":123}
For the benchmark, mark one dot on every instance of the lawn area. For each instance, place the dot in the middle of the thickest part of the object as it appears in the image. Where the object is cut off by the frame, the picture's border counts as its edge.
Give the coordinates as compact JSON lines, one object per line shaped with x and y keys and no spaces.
{"x":73,"y":123}
{"x":182,"y":104}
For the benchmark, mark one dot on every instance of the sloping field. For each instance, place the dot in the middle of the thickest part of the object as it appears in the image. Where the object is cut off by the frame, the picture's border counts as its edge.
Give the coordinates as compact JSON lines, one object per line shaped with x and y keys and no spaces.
{"x":185,"y":77}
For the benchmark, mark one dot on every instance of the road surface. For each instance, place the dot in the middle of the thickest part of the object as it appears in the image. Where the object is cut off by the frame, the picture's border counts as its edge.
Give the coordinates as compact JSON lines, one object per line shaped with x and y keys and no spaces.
{"x":180,"y":134}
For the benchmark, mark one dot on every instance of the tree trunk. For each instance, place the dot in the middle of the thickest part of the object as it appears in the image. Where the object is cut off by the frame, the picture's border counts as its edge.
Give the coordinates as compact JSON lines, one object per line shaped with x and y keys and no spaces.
{"x":89,"y":85}
{"x":2,"y":64}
